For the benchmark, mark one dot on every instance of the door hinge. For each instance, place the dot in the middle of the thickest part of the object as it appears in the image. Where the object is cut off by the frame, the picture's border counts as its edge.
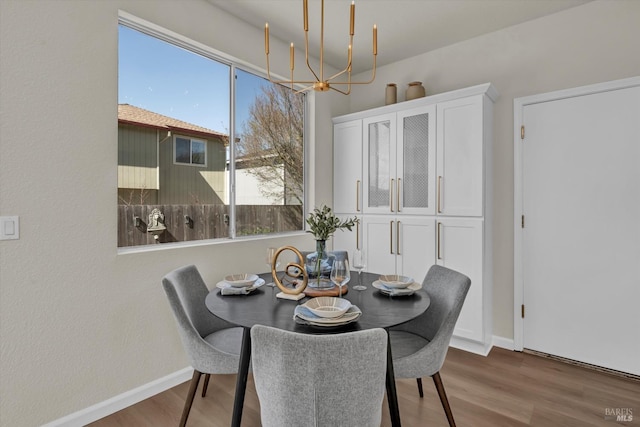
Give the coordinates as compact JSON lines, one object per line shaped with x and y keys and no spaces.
{"x":523,"y":311}
{"x":522,"y":221}
{"x":522,"y":132}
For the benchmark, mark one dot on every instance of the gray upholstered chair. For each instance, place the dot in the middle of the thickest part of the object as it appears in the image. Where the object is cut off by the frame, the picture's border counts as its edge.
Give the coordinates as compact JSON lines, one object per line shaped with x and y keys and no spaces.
{"x":419,"y":347}
{"x":319,"y":380}
{"x":212,"y":344}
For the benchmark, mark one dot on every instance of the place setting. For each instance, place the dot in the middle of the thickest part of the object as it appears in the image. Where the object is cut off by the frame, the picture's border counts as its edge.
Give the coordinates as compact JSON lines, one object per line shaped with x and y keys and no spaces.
{"x":396,"y":285}
{"x":239,"y":284}
{"x":326,"y":312}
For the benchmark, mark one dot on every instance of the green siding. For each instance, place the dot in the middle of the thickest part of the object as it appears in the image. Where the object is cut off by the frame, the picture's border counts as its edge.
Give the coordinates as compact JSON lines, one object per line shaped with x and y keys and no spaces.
{"x":187,"y":184}
{"x":137,"y":158}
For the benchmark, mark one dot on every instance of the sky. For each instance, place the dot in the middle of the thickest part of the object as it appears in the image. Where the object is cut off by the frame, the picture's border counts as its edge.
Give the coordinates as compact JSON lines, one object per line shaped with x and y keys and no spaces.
{"x":166,"y":79}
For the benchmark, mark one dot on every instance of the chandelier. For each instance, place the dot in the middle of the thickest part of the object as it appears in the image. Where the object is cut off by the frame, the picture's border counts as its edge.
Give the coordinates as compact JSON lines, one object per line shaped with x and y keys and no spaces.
{"x":322,"y":84}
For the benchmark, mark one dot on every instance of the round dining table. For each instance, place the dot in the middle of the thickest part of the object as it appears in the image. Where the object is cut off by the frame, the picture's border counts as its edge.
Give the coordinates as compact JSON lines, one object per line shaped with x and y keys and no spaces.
{"x":262,"y":307}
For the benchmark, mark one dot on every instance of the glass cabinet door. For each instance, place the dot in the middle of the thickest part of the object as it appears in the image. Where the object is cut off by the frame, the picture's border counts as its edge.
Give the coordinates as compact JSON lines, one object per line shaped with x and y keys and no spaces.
{"x":380,"y":158}
{"x":416,"y":161}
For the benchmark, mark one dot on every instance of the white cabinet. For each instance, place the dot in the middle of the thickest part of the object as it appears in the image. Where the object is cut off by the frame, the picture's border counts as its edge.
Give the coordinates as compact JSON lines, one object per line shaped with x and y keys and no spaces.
{"x":419,"y":176}
{"x":347,"y":167}
{"x":399,"y":161}
{"x":460,"y":157}
{"x":346,"y":240}
{"x":401,"y":245}
{"x":459,"y":246}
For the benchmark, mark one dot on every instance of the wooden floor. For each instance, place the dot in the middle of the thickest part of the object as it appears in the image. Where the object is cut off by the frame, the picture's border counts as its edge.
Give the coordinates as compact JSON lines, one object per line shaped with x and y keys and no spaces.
{"x":504,"y":389}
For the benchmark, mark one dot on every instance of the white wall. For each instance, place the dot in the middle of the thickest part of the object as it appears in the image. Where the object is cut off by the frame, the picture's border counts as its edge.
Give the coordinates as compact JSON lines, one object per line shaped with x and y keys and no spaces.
{"x":78,"y":322}
{"x":595,"y":42}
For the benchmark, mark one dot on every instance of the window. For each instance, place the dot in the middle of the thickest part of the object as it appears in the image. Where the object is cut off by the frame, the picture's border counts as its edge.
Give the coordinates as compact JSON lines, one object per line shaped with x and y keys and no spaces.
{"x":190,"y":151}
{"x":189,"y":166}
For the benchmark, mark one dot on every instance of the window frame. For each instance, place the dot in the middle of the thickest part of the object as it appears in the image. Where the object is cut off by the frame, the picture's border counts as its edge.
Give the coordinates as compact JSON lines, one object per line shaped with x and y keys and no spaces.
{"x":181,"y":41}
{"x":191,"y":141}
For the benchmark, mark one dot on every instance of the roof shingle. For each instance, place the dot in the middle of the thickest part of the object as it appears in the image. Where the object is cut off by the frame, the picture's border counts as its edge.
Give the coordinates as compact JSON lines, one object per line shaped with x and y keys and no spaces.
{"x":136,"y":115}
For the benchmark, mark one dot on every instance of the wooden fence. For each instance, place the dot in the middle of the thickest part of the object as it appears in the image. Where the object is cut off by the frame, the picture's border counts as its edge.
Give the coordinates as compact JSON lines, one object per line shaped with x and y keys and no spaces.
{"x":205,"y":222}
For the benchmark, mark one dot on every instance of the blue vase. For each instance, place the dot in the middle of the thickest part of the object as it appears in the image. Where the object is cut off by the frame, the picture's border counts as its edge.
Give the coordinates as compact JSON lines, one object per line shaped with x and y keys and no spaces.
{"x":318,"y":265}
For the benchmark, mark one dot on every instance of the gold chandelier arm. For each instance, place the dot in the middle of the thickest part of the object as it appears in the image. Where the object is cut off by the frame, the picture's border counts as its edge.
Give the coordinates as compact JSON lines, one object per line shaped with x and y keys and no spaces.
{"x":338,"y":74}
{"x":373,"y":77}
{"x":306,"y":54}
{"x":342,"y":91}
{"x":304,"y":89}
{"x":349,"y":57}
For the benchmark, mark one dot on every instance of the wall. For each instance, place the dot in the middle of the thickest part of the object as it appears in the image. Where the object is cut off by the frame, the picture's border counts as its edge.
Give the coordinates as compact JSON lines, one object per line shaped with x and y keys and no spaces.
{"x":592,"y":43}
{"x":80,"y":323}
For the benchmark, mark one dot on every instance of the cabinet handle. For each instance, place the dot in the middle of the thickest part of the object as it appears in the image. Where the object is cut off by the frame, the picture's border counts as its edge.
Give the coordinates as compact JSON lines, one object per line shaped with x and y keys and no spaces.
{"x":398,"y":196}
{"x":358,"y":196}
{"x":398,"y":237}
{"x":438,"y":243}
{"x":391,"y":195}
{"x":439,"y":195}
{"x":358,"y":235}
{"x":391,"y":237}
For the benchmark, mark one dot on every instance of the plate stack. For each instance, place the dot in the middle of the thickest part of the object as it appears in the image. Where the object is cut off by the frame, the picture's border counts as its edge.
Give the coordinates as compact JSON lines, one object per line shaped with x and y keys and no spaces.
{"x":395,"y":285}
{"x":239,"y":284}
{"x":326,"y":312}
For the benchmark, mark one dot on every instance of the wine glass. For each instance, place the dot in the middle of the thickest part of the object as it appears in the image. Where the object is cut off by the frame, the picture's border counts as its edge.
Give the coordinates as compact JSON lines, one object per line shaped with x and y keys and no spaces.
{"x":340,"y":273}
{"x":359,"y":263}
{"x":271,"y":252}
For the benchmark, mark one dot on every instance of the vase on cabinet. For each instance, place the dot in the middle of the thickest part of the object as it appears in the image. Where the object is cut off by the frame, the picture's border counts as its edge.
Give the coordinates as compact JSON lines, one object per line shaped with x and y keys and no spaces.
{"x":318,"y":265}
{"x":414,"y":91}
{"x":391,"y":94}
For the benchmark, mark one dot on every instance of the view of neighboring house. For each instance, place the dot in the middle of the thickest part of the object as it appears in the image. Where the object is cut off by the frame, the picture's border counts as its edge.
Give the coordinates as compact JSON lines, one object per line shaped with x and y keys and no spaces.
{"x":162,"y":160}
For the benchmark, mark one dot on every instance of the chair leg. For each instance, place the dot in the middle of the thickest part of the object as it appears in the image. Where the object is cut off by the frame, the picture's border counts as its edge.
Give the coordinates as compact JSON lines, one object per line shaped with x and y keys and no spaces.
{"x":420,"y":392}
{"x":443,"y":398}
{"x":206,"y":384}
{"x":195,"y":379}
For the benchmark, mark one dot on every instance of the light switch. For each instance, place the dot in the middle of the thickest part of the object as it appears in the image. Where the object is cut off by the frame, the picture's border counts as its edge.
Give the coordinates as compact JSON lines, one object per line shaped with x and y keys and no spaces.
{"x":9,"y":227}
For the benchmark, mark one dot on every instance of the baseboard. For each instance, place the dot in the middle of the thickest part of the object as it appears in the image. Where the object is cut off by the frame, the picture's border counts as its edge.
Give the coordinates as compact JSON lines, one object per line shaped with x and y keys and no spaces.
{"x":121,"y":401}
{"x":481,"y":348}
{"x":502,"y":342}
{"x":470,"y":346}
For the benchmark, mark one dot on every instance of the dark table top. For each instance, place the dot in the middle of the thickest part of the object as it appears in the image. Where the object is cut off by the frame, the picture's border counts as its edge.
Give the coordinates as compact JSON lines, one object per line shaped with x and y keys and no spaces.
{"x":261,"y":307}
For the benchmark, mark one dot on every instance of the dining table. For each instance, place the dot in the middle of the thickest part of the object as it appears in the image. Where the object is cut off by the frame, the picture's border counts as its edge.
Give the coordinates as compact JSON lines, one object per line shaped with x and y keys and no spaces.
{"x":262,"y":307}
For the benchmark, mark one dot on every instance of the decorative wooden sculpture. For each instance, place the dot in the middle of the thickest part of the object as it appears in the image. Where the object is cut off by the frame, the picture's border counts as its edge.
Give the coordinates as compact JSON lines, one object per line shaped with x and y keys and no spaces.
{"x":292,"y":271}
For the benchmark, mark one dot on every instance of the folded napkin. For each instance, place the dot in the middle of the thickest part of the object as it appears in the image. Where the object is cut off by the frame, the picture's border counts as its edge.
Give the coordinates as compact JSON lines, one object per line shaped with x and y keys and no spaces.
{"x":230,"y":290}
{"x":397,"y":291}
{"x":227,"y":289}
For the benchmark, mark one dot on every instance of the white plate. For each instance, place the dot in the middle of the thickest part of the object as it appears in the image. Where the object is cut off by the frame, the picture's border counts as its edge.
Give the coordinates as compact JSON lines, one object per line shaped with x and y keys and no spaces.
{"x":242,"y":280}
{"x":396,"y":281}
{"x":328,"y":307}
{"x":350,"y":316}
{"x":222,"y":285}
{"x":409,"y":290}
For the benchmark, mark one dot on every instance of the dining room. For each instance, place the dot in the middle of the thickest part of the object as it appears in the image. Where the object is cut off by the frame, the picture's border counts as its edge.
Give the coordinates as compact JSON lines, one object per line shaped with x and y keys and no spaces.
{"x":86,"y":332}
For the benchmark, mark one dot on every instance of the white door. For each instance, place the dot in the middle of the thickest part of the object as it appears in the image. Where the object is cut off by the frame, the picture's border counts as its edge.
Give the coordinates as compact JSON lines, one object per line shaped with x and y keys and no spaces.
{"x":581,"y":239}
{"x":459,"y":247}
{"x":347,"y":167}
